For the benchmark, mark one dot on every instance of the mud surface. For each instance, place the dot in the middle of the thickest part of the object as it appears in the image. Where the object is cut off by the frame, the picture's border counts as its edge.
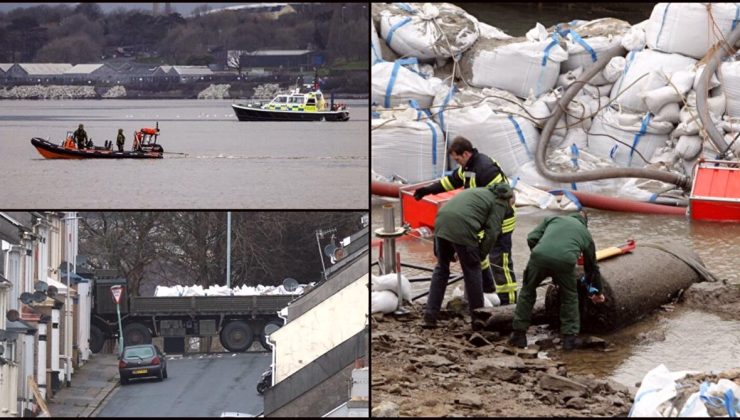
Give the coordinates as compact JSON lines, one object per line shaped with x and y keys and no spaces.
{"x":453,"y":371}
{"x":720,"y":298}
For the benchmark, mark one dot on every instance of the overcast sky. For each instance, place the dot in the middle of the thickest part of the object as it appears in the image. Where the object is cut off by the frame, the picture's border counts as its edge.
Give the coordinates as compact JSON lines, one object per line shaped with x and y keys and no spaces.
{"x":182,"y":8}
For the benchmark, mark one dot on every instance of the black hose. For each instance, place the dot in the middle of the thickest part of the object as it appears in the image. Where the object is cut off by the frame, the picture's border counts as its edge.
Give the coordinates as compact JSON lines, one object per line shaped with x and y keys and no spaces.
{"x":605,"y":173}
{"x":702,"y":92}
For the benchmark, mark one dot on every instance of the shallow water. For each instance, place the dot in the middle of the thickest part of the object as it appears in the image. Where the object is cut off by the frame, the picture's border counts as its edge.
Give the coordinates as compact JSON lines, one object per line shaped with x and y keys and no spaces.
{"x":212,"y":160}
{"x":693,"y":339}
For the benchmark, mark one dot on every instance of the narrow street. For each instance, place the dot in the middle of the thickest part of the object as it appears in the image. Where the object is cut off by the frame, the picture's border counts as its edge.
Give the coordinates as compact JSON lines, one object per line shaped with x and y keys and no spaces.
{"x":199,"y":385}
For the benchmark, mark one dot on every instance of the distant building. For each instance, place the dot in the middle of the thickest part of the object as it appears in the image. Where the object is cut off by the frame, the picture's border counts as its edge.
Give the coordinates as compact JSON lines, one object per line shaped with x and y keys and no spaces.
{"x":293,"y":59}
{"x":313,"y":372}
{"x":4,"y":67}
{"x":38,"y":72}
{"x":91,"y":73}
{"x":191,"y":73}
{"x":266,"y":10}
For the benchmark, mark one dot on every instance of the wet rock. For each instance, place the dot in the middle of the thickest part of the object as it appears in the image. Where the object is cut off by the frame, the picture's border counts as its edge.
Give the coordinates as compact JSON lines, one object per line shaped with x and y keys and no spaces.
{"x":505,"y":349}
{"x":545,"y":343}
{"x":430,"y":402}
{"x":576,"y":403}
{"x":528,"y":353}
{"x":432,"y":360}
{"x":560,"y":383}
{"x":478,"y":341}
{"x":386,"y":409}
{"x":394,"y":389}
{"x":591,"y":342}
{"x":616,"y":387}
{"x":615,"y":400}
{"x":457,"y":306}
{"x":470,"y":400}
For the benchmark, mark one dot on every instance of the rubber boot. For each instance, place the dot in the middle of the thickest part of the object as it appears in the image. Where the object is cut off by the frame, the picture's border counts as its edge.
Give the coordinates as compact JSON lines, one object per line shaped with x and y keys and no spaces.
{"x":429,"y":321}
{"x":572,"y":342}
{"x":518,"y":339}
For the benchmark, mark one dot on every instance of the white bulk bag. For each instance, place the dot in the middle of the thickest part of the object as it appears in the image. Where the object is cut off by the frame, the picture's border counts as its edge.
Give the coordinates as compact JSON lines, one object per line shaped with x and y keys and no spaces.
{"x":413,"y":150}
{"x":639,"y":64}
{"x":689,"y":28}
{"x":413,"y":29}
{"x":587,"y":42}
{"x":375,"y":53}
{"x":637,"y":131}
{"x":394,"y":84}
{"x":729,"y":75}
{"x":511,"y":140}
{"x":517,"y":65}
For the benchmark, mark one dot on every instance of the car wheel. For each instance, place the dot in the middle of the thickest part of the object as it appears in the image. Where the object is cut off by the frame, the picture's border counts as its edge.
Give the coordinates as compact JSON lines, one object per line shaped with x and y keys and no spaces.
{"x":160,"y":377}
{"x":237,"y":336}
{"x":261,"y":387}
{"x":164,"y":373}
{"x":124,"y":380}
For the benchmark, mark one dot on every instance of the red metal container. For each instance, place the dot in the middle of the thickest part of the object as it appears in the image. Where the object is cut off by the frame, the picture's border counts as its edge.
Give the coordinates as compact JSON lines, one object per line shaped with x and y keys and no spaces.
{"x":423,"y":212}
{"x":715,"y":194}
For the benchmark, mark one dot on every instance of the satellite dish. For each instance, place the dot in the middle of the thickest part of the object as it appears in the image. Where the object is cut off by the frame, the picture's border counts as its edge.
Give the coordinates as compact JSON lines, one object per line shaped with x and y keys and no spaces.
{"x":329,"y":250}
{"x":38,"y":296}
{"x":52,"y":291}
{"x":339,"y":254}
{"x":13,"y":315}
{"x":40,"y":286}
{"x":26,"y":298}
{"x":290,"y":284}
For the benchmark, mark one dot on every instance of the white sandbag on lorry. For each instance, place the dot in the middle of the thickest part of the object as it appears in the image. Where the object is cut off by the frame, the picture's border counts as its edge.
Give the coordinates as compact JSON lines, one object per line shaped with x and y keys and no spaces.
{"x":428,"y":31}
{"x":631,"y":131}
{"x":634,"y":79}
{"x":394,"y":84}
{"x":519,"y":65}
{"x":406,"y":148}
{"x":690,"y":29}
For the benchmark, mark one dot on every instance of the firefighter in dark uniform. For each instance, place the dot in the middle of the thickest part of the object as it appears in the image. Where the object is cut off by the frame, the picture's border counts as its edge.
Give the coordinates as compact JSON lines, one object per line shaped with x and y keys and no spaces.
{"x":556,"y":244}
{"x":478,"y":170}
{"x":120,"y":140}
{"x":80,"y":136}
{"x":456,"y":231}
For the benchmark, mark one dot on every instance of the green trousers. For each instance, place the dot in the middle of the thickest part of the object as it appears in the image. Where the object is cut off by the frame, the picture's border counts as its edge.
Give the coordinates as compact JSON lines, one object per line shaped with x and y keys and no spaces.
{"x":538,"y":269}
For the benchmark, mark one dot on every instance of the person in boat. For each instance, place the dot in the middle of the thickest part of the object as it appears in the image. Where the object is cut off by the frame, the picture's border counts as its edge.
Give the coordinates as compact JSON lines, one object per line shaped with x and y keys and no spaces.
{"x":479,"y":170}
{"x":80,"y":137}
{"x":120,"y":140}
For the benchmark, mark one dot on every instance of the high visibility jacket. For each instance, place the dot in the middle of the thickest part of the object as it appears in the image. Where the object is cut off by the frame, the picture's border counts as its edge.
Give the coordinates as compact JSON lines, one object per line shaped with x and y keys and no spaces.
{"x":480,"y":171}
{"x":472,"y":211}
{"x":559,"y":240}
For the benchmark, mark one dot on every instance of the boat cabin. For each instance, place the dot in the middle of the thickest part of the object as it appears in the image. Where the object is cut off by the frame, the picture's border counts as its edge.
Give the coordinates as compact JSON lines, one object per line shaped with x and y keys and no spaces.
{"x":302,"y":102}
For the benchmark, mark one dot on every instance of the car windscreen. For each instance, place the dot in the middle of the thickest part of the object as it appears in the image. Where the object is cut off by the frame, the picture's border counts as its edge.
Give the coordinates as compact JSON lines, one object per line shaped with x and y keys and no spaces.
{"x":143,"y":352}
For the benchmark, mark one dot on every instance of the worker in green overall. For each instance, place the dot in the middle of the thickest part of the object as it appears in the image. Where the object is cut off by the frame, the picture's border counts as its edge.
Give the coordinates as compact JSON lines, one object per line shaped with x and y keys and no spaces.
{"x":120,"y":140}
{"x":456,"y":231}
{"x":556,"y":244}
{"x":479,"y":170}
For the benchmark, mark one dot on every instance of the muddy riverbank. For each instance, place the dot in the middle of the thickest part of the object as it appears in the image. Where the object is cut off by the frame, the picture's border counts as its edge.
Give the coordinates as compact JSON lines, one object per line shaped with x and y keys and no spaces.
{"x":453,"y":371}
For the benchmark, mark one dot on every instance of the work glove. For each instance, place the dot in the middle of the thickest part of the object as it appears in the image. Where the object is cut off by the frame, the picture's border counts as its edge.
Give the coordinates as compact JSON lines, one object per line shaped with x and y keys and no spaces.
{"x":589,"y":289}
{"x":421,"y":192}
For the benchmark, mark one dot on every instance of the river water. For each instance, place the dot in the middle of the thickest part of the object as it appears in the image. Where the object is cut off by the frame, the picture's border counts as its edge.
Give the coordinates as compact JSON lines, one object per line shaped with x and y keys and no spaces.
{"x":693,"y":340}
{"x":212,"y":160}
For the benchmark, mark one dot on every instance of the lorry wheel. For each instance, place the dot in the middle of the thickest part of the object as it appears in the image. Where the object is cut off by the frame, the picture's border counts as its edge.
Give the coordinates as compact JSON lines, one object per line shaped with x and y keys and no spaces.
{"x":97,"y":339}
{"x":268,"y":329}
{"x":135,"y":334}
{"x":237,"y":336}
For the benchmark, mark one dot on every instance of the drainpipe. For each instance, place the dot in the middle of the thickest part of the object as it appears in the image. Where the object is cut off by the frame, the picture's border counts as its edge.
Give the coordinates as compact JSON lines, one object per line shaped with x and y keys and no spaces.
{"x":702,"y":92}
{"x":55,"y":356}
{"x":41,"y":361}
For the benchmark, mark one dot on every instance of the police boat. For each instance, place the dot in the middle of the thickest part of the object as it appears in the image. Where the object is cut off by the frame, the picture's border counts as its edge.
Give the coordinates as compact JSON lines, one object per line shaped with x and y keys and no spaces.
{"x":294,"y":106}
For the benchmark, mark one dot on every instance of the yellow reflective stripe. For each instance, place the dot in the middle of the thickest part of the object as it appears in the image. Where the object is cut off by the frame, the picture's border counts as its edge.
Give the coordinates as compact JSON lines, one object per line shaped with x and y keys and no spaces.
{"x":472,"y":182}
{"x":446,"y":184}
{"x":499,"y":179}
{"x":486,"y":263}
{"x":507,"y":229}
{"x":481,"y":234}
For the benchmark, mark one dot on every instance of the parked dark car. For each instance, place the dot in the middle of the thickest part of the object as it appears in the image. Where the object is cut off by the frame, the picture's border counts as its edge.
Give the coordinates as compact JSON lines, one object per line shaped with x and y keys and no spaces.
{"x":142,"y":361}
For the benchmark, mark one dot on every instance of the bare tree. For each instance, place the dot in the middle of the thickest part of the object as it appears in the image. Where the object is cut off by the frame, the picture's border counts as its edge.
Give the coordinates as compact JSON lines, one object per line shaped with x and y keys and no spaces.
{"x":73,"y":49}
